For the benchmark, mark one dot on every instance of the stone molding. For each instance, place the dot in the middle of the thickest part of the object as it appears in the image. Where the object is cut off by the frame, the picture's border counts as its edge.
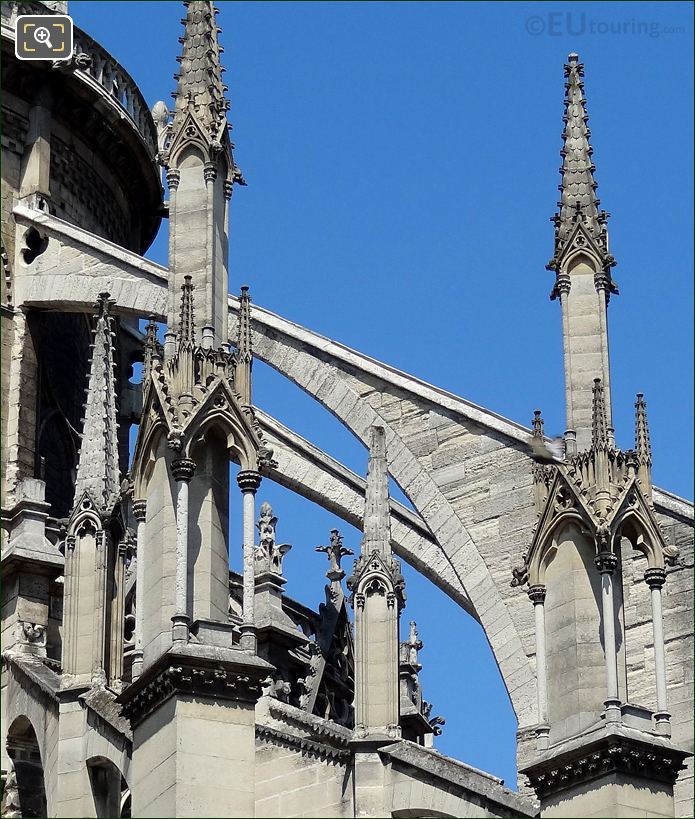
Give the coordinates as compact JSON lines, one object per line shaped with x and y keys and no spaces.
{"x":308,"y":746}
{"x":248,"y":480}
{"x":221,"y":677}
{"x":183,"y":469}
{"x":608,"y":755}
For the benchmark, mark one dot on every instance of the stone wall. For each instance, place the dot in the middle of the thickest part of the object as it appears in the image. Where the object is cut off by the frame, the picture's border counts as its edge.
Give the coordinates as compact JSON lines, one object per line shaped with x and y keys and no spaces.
{"x":295,"y":782}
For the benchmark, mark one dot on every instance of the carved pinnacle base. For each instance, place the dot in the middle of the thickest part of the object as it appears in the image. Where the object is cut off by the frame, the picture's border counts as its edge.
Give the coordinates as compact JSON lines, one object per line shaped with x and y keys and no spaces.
{"x":137,"y":664}
{"x":613,"y":711}
{"x":248,"y":640}
{"x":542,"y":737}
{"x":662,"y":723}
{"x":180,"y":626}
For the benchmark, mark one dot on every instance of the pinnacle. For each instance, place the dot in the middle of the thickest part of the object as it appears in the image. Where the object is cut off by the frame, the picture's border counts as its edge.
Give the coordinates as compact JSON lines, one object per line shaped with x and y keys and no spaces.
{"x":200,"y":77}
{"x":377,"y":510}
{"x":98,"y":469}
{"x":643,"y":444}
{"x":578,"y":200}
{"x":599,"y":422}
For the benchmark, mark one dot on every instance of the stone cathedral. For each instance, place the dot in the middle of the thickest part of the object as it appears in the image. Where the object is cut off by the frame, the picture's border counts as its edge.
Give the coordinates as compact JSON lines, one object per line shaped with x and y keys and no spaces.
{"x":140,"y":676}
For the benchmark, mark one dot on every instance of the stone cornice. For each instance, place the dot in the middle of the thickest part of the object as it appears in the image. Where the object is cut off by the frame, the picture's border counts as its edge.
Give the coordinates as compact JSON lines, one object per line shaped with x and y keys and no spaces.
{"x":310,"y":746}
{"x":640,"y":756}
{"x":196,"y":671}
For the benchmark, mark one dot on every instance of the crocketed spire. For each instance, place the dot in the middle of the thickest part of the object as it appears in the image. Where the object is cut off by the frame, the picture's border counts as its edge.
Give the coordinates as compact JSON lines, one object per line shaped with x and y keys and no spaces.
{"x":578,"y":203}
{"x":643,"y":444}
{"x":97,"y":468}
{"x":599,"y":423}
{"x":186,"y":315}
{"x":199,"y":80}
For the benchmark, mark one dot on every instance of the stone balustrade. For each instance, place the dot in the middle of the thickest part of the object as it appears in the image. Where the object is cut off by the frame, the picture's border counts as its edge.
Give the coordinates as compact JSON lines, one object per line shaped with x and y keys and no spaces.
{"x":92,"y":60}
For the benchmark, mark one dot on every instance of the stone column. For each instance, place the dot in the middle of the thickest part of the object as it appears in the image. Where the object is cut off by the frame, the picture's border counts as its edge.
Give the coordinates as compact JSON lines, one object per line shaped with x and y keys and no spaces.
{"x":655,"y":579}
{"x":606,"y":563}
{"x":603,"y":293}
{"x":99,"y":620}
{"x":563,"y":287}
{"x":117,"y":618}
{"x":182,"y":471}
{"x":173,"y":179}
{"x":537,"y":596}
{"x":208,"y":331}
{"x":140,"y":513}
{"x":249,"y":480}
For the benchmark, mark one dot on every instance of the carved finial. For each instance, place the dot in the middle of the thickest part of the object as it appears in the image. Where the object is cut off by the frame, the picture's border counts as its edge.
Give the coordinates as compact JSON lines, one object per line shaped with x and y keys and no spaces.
{"x":97,"y":468}
{"x":377,"y":528}
{"x":187,"y":319}
{"x":269,"y":555}
{"x":412,"y":645}
{"x":335,"y":553}
{"x":200,"y":85}
{"x":599,"y":423}
{"x":578,"y":200}
{"x":643,"y":444}
{"x":538,"y":424}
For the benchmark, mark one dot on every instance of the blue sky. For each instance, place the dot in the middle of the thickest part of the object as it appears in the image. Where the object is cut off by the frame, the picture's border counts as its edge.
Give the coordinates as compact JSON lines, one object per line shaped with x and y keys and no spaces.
{"x":402,"y":161}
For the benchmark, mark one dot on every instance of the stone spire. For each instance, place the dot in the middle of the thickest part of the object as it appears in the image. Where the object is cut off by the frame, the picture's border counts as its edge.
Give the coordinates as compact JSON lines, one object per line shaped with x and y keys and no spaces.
{"x":196,"y":152}
{"x":579,"y":204}
{"x":97,"y":468}
{"x":186,"y":333}
{"x":599,"y":426}
{"x":643,"y":444}
{"x":377,"y":528}
{"x":244,"y":351}
{"x":582,"y":264}
{"x":151,"y":349}
{"x":199,"y":80}
{"x":378,"y":595}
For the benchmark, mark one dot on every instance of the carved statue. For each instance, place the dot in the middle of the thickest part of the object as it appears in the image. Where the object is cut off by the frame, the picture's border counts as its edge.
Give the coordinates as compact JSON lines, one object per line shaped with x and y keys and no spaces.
{"x":269,"y":555}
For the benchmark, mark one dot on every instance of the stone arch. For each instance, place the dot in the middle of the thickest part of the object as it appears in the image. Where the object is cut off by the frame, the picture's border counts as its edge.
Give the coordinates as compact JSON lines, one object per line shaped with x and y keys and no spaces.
{"x":24,"y":701}
{"x":28,"y":775}
{"x":314,"y":372}
{"x":108,"y":786}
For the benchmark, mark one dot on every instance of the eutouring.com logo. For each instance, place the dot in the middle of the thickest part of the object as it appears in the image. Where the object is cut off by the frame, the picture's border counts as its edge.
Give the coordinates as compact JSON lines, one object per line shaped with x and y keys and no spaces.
{"x":573,"y":24}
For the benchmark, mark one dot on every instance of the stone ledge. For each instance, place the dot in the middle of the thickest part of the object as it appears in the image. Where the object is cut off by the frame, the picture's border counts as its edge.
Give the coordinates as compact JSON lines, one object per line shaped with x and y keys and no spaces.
{"x":37,"y":672}
{"x":458,"y":775}
{"x":270,"y":710}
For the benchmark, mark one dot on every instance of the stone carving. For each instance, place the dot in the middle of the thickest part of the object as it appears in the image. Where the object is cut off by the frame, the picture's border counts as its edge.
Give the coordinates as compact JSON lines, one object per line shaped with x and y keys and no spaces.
{"x":335,"y":553}
{"x":615,"y":755}
{"x":10,"y":808}
{"x":605,"y":489}
{"x":31,"y":634}
{"x":269,"y":555}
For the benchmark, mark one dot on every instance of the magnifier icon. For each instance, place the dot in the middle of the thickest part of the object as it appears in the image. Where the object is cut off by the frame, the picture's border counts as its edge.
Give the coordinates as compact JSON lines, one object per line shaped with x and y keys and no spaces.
{"x":43,"y":36}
